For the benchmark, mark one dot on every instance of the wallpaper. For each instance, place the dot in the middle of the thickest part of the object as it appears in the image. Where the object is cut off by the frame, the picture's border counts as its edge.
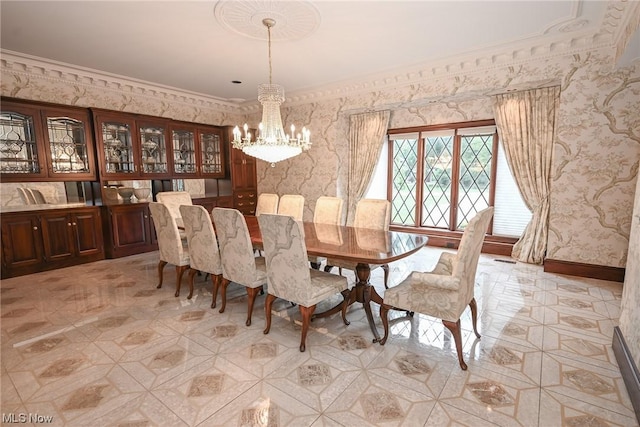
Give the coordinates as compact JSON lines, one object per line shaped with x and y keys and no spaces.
{"x":596,"y":155}
{"x":630,"y":314}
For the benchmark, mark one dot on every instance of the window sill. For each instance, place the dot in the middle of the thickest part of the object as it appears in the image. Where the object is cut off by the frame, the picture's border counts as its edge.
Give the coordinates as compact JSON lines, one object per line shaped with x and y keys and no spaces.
{"x":496,"y":245}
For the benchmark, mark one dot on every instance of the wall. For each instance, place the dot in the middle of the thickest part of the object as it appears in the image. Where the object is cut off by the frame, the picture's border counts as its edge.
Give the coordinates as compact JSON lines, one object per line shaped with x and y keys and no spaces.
{"x":597,"y":144}
{"x":630,"y":314}
{"x":596,"y":155}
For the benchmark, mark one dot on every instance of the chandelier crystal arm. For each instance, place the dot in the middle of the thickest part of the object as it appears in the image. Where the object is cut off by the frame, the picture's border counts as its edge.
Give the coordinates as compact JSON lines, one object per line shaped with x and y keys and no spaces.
{"x":272,"y":144}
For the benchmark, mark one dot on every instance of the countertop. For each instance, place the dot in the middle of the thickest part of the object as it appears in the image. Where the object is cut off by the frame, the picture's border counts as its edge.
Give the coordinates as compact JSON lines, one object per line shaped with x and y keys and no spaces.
{"x":43,"y":207}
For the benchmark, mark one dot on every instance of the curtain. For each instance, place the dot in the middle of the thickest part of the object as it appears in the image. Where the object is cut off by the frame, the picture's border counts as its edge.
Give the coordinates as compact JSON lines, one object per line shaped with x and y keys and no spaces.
{"x":366,"y":137}
{"x":526,"y":122}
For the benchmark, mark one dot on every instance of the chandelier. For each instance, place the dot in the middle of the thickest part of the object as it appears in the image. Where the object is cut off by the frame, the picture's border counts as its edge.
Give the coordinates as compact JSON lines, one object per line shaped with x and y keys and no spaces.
{"x":271,"y":144}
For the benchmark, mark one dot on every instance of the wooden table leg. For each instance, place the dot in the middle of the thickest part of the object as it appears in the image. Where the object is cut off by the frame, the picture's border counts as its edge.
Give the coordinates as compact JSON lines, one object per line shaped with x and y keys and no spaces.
{"x":363,"y":293}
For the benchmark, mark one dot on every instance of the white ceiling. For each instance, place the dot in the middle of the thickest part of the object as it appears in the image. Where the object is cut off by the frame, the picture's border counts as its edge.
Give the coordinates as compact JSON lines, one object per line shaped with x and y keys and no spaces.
{"x":188,"y":45}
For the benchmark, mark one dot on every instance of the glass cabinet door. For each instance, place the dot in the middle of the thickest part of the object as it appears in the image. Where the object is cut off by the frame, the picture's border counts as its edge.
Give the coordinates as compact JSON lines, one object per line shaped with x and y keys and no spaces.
{"x":20,"y":152}
{"x":211,"y":154}
{"x":153,"y":148}
{"x":184,"y":151}
{"x":70,"y":143}
{"x":118,"y":147}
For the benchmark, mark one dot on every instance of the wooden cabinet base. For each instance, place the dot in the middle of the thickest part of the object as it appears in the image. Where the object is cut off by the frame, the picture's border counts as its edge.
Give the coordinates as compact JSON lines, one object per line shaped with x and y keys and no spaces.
{"x":50,"y":239}
{"x":128,"y":230}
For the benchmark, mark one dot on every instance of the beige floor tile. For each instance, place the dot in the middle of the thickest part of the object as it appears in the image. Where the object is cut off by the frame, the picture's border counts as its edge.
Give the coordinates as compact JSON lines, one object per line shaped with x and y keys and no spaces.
{"x":98,"y":344}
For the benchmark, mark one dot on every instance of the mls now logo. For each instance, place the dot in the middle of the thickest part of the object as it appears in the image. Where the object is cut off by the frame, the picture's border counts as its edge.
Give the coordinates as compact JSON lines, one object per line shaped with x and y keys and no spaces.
{"x":21,"y":418}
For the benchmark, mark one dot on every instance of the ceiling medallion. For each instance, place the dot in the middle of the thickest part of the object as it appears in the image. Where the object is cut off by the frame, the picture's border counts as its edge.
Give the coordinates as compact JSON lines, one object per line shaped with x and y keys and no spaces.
{"x":296,"y":19}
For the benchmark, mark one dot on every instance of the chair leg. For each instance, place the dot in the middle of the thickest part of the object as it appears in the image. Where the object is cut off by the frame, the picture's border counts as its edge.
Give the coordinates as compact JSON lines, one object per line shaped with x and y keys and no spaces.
{"x":384,"y":311}
{"x":315,"y":265}
{"x":192,"y":274}
{"x":306,"y":318}
{"x":223,"y":294}
{"x":328,"y":268}
{"x":385,"y":267}
{"x":215,"y":280}
{"x":474,"y":316}
{"x":180,"y":269}
{"x":454,"y":327}
{"x":161,"y":265}
{"x":252,"y":293}
{"x":268,"y":303}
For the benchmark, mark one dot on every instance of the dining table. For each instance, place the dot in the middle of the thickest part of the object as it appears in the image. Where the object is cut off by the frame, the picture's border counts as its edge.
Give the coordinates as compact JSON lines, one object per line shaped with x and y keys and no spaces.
{"x":363,"y":247}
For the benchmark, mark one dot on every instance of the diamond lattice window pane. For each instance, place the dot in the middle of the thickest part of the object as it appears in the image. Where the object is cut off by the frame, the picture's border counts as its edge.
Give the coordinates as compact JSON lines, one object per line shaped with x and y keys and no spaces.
{"x":475,"y":177}
{"x":403,"y":190}
{"x":436,"y":186}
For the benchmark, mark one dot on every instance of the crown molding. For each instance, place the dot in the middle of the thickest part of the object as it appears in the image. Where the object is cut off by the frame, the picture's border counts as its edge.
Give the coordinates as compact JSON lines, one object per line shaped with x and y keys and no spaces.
{"x":21,"y":64}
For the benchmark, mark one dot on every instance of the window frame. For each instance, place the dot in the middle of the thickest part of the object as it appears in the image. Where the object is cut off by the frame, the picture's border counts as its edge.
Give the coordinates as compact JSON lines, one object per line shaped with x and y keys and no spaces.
{"x":446,"y":237}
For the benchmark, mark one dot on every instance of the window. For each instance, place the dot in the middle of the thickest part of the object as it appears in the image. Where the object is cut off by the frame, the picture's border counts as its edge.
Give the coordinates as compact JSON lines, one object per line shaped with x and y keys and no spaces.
{"x":440,"y":176}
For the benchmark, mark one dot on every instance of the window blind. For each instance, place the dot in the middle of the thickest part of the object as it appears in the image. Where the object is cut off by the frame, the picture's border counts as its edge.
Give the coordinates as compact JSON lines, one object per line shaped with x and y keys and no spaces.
{"x":511,"y":215}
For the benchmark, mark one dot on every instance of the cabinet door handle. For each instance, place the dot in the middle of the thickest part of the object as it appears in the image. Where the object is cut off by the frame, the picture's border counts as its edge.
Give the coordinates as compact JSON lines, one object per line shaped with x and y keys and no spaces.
{"x":69,"y":224}
{"x":145,"y":217}
{"x":35,"y":228}
{"x":74,"y":224}
{"x":240,"y":196}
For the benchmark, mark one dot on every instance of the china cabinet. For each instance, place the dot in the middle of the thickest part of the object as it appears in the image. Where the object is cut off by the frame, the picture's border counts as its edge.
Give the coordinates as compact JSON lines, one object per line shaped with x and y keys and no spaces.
{"x":43,"y":142}
{"x":131,"y":146}
{"x":50,"y":239}
{"x":197,"y":151}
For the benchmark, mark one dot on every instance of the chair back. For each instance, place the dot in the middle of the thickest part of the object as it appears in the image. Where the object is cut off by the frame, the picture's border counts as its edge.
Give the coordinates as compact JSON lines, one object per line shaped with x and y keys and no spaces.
{"x":169,"y":242}
{"x":468,"y":254}
{"x":373,"y":213}
{"x":201,"y":238}
{"x":328,"y":210}
{"x":288,"y":274}
{"x":267,"y":203}
{"x":236,"y":250}
{"x":173,"y":200}
{"x":291,"y":205}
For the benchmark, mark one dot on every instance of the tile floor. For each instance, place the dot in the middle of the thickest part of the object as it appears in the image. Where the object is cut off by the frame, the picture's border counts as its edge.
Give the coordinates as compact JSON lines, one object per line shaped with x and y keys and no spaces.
{"x":99,"y":345}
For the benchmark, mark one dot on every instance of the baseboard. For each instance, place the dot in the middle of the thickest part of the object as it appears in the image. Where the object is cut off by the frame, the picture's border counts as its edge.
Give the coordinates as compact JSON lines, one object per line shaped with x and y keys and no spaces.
{"x":592,"y":271}
{"x":628,"y":369}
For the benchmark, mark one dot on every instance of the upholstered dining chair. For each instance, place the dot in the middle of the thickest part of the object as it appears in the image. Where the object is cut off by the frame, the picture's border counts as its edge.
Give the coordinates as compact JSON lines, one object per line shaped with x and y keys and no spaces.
{"x":173,"y":200}
{"x":373,"y":214}
{"x":169,"y":243}
{"x":238,"y":262}
{"x":204,"y":253}
{"x":291,"y":205}
{"x":446,"y":291}
{"x":288,"y":274}
{"x":328,"y":210}
{"x":267,"y":203}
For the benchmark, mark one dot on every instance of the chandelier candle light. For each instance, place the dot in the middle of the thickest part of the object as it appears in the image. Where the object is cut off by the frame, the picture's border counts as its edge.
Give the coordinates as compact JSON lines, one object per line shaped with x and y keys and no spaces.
{"x":271,"y":144}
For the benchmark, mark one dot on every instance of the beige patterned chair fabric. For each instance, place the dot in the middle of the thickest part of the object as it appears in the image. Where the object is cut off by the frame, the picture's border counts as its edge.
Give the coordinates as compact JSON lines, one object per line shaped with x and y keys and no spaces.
{"x":267,"y":203}
{"x":446,"y":291}
{"x":372,"y":214}
{"x":170,"y":244}
{"x":328,"y":210}
{"x":204,"y":253}
{"x":238,"y":262}
{"x":288,"y":274}
{"x":291,"y":205}
{"x":173,"y":200}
